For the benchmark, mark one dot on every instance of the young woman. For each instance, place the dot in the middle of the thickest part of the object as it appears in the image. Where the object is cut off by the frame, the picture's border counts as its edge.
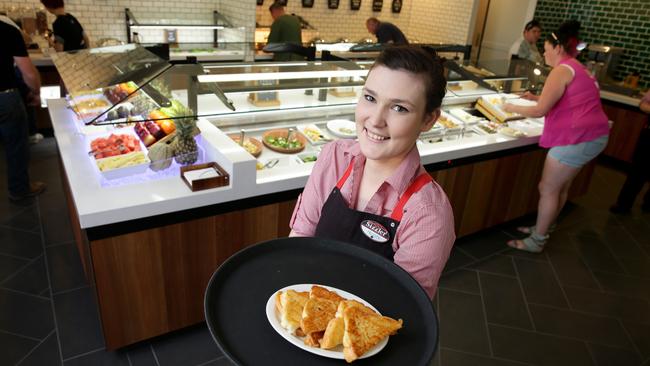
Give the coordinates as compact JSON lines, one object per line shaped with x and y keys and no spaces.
{"x":374,"y":192}
{"x":575,"y":129}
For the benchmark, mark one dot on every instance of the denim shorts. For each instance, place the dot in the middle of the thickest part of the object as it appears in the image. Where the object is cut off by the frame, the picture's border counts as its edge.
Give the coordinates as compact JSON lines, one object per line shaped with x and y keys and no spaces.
{"x":579,"y":154}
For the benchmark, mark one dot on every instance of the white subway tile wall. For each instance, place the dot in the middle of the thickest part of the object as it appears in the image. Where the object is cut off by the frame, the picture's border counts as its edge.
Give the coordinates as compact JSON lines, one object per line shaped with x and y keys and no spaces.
{"x":105,"y":19}
{"x":444,"y":21}
{"x":423,"y":21}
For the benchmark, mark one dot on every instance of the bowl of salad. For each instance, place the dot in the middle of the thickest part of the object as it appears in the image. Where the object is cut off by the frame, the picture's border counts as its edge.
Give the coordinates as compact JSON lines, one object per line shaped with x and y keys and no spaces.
{"x":278,"y":140}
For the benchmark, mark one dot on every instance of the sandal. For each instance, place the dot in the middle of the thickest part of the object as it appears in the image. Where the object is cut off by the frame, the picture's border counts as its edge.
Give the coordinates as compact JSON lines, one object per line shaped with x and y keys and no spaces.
{"x":533,"y":243}
{"x":530,"y":229}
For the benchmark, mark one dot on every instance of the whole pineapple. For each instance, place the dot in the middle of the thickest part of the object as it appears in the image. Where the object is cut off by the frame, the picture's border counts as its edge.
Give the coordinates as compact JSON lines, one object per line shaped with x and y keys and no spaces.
{"x":185,"y":149}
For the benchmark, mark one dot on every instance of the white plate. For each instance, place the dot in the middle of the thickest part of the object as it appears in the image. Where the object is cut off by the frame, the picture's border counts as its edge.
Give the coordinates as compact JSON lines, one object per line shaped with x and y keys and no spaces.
{"x":336,"y":125}
{"x":337,"y":352}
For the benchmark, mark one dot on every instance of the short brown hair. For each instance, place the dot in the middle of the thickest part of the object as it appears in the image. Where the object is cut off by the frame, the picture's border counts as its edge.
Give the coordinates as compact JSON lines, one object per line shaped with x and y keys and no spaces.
{"x":419,"y":61}
{"x":52,"y":4}
{"x":276,"y":5}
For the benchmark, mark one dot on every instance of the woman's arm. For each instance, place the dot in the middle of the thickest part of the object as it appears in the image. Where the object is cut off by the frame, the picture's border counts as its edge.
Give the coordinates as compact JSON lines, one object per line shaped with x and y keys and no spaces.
{"x":554,"y":87}
{"x":645,"y":102}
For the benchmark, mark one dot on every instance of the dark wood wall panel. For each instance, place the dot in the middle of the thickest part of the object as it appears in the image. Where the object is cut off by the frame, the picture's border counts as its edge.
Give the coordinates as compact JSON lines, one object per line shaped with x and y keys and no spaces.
{"x":624,"y":134}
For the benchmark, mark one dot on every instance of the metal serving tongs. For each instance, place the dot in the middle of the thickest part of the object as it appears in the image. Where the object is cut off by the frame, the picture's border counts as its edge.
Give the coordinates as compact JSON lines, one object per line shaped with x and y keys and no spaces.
{"x":271,"y":163}
{"x":242,"y":133}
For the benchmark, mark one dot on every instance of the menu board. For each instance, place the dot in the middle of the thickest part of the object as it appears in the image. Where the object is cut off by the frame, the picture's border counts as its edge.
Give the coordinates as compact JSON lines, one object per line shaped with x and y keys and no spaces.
{"x":307,"y":3}
{"x":355,"y":4}
{"x":377,"y":5}
{"x":333,"y":4}
{"x":397,"y":6}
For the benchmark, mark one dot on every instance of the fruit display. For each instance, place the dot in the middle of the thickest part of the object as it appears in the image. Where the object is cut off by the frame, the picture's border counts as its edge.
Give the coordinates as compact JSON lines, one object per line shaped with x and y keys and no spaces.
{"x":113,"y":145}
{"x":186,"y":150}
{"x":121,"y":161}
{"x":118,"y":93}
{"x":144,"y":134}
{"x":161,"y":156}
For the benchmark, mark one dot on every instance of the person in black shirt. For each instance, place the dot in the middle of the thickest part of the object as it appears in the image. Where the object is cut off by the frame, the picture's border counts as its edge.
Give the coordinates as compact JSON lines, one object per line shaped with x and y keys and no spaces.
{"x":13,"y":118}
{"x":69,"y":35}
{"x":385,"y":32}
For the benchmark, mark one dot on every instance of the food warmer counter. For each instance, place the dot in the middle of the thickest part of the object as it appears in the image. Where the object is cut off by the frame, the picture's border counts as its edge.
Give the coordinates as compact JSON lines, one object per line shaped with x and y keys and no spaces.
{"x":149,"y":243}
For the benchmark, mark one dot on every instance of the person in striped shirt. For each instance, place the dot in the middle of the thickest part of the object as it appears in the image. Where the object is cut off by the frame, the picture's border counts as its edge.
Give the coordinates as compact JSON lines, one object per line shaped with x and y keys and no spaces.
{"x":374,"y":192}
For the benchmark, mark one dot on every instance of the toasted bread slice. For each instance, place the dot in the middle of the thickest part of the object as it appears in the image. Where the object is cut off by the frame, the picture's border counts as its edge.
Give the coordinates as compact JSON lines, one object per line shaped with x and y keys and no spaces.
{"x":364,"y":330}
{"x":323,"y":293}
{"x":352,"y":303}
{"x":313,"y":339}
{"x":316,"y":314}
{"x":291,"y":305}
{"x":333,"y":334}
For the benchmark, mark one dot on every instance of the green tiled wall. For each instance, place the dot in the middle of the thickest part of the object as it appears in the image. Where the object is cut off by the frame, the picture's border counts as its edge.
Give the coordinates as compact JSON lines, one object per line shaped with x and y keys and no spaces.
{"x":620,"y":23}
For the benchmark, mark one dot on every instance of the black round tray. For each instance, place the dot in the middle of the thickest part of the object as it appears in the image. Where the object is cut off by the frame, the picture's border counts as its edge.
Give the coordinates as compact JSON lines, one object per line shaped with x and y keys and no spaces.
{"x":236,"y":297}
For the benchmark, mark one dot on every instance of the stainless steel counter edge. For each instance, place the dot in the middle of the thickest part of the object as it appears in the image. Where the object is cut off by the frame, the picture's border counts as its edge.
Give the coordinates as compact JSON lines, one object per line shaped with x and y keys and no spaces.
{"x":97,"y":205}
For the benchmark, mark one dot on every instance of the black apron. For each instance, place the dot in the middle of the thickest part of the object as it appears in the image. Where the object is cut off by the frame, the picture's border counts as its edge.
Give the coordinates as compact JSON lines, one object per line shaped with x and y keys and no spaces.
{"x":370,"y":231}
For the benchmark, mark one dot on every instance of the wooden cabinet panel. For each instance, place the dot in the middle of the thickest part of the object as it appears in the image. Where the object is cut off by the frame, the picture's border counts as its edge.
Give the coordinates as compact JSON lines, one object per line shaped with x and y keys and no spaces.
{"x":624,"y":134}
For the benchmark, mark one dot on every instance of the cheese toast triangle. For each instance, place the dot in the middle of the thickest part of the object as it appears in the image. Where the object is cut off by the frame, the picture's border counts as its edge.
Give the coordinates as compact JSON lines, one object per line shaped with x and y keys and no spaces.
{"x":290,"y":304}
{"x":363,"y":330}
{"x":316,"y":314}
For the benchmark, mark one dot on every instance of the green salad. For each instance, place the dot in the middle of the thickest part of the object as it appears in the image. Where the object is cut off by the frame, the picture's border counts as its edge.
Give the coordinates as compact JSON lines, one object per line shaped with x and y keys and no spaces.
{"x":283,"y":143}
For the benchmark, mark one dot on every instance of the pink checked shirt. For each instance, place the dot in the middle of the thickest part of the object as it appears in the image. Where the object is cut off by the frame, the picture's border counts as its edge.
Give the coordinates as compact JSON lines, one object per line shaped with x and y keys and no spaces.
{"x":425,"y":235}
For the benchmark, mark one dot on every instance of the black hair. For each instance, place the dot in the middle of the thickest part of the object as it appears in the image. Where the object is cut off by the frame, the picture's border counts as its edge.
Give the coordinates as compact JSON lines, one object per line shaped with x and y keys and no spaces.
{"x":52,"y":4}
{"x":420,"y":61}
{"x":533,"y":24}
{"x":566,"y":36}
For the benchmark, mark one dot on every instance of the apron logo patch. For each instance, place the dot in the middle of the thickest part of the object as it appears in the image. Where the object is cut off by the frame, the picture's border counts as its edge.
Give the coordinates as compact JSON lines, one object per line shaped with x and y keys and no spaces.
{"x":375,"y":231}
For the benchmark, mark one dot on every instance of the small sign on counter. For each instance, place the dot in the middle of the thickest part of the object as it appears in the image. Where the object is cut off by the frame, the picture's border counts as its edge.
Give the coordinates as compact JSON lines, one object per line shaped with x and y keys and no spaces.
{"x":204,"y":176}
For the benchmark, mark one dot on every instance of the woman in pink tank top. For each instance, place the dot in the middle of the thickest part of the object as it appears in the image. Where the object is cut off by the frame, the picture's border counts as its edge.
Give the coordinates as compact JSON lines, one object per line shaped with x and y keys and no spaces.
{"x":575,"y":129}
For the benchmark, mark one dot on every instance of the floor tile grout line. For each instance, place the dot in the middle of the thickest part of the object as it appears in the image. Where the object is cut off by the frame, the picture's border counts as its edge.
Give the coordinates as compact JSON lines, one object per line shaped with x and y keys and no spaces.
{"x":523,"y":293}
{"x":155,"y":356}
{"x":60,"y":244}
{"x":20,"y":335}
{"x":49,"y":282}
{"x":610,"y":293}
{"x":15,"y":256}
{"x":629,"y":338}
{"x":35,"y":347}
{"x":485,"y":315}
{"x":18,"y":229}
{"x":493,"y":273}
{"x":482,"y":355}
{"x":557,"y":278}
{"x":634,"y":240}
{"x":84,"y":354}
{"x":24,"y":293}
{"x":582,"y":312}
{"x":591,"y":272}
{"x":21,"y":269}
{"x":63,"y":292}
{"x":561,"y":336}
{"x":460,"y":249}
{"x":459,"y":291}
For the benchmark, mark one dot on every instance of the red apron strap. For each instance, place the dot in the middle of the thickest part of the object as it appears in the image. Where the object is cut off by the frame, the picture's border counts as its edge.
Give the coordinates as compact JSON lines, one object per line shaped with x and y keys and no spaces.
{"x":418,"y":183}
{"x":345,"y":176}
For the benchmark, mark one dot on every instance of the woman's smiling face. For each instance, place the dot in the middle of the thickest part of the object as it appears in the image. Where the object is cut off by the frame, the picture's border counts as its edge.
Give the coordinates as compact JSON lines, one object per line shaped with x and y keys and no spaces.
{"x":391,"y":114}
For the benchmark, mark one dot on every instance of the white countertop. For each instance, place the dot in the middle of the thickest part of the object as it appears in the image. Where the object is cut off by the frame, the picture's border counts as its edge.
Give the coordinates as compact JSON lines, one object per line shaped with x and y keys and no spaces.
{"x":615,"y":97}
{"x":100,"y":204}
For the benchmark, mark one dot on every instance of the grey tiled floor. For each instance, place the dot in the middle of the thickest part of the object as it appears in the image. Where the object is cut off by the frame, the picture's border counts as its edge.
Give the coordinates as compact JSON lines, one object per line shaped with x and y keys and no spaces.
{"x":584,"y":301}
